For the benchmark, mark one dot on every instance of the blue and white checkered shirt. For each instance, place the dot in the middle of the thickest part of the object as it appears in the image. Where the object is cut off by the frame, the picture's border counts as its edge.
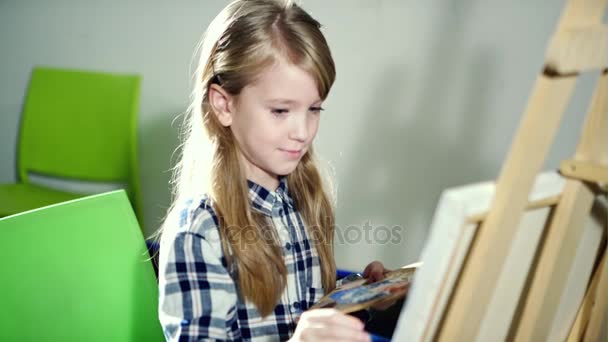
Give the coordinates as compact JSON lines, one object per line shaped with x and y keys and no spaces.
{"x":198,"y":296}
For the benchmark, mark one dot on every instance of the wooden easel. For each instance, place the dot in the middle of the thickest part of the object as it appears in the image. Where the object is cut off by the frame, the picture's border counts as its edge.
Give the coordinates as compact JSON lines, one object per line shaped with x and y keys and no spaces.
{"x":579,"y":44}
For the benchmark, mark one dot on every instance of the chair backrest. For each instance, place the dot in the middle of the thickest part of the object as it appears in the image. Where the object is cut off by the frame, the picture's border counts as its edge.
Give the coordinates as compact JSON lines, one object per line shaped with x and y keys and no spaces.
{"x":81,"y":125}
{"x":77,"y":271}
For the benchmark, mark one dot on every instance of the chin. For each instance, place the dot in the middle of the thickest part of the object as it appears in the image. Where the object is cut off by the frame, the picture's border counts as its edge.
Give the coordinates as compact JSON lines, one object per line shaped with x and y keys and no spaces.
{"x":286,"y":170}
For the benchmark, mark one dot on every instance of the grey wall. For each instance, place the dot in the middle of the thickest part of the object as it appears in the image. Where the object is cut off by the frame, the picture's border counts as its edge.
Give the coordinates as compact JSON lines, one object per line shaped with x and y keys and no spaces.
{"x":428,"y":95}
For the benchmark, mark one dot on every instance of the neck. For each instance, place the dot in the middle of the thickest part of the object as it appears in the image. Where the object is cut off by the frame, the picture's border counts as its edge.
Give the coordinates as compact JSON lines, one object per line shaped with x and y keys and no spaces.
{"x":255,"y":174}
{"x":269,"y":182}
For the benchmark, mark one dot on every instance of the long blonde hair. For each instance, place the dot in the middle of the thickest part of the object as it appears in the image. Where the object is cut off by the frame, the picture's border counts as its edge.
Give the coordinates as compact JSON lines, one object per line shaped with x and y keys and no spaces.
{"x":244,"y":39}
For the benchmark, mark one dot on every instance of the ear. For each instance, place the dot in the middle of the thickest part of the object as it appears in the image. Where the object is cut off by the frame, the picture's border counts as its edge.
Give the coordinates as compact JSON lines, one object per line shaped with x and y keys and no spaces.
{"x":222,"y":104}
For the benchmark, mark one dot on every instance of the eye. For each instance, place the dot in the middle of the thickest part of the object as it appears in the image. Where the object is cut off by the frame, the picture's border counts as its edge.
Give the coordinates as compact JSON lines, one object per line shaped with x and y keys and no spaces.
{"x":279,"y":111}
{"x":316,"y":110}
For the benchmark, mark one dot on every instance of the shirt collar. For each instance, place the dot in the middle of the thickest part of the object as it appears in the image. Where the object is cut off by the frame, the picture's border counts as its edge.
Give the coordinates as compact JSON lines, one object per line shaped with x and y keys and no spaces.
{"x":263,"y":199}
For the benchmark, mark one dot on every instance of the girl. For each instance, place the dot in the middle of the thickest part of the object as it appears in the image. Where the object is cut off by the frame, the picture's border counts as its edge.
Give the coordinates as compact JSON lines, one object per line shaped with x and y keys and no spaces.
{"x":246,"y":246}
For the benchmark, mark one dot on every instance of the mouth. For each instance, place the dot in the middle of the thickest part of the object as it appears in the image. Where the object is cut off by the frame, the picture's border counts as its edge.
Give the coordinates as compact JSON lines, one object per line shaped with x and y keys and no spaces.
{"x":293,"y":153}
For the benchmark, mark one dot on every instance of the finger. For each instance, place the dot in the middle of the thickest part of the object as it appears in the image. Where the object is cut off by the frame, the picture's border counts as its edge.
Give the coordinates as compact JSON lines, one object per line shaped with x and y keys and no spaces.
{"x":330,"y":324}
{"x":340,"y":333}
{"x":324,"y":333}
{"x":347,"y":321}
{"x":377,"y":273}
{"x":366,"y":271}
{"x":335,"y":318}
{"x":369,"y":268}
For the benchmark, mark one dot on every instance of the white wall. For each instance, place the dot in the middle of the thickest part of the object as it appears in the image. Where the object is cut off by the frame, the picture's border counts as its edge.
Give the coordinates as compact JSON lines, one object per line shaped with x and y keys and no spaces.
{"x":428,"y":94}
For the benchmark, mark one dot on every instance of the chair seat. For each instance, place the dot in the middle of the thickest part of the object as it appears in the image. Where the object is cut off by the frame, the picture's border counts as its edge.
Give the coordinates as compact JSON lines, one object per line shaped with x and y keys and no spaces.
{"x":17,"y":198}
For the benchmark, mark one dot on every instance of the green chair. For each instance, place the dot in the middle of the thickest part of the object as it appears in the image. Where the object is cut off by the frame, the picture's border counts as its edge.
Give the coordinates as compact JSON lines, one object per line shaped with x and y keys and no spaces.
{"x":77,"y":271}
{"x":75,"y":126}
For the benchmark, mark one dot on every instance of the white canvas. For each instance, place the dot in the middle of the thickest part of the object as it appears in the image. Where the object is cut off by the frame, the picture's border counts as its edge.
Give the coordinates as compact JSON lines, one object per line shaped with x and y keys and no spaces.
{"x":449,"y":240}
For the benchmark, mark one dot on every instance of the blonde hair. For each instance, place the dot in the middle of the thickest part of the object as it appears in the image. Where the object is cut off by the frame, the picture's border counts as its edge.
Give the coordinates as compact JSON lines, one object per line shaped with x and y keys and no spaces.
{"x":244,"y":39}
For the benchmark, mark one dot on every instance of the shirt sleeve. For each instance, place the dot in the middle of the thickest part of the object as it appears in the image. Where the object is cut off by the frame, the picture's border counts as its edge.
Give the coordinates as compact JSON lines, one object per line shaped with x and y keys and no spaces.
{"x":197,"y":296}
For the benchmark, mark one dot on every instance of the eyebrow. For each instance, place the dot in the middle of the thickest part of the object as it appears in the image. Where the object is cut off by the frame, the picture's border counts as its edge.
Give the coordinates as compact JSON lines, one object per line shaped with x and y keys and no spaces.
{"x":288,"y":101}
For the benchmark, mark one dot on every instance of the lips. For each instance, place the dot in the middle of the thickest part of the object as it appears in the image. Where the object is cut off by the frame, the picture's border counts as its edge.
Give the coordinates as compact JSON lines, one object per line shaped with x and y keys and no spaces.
{"x":292,"y":150}
{"x":293,"y":154}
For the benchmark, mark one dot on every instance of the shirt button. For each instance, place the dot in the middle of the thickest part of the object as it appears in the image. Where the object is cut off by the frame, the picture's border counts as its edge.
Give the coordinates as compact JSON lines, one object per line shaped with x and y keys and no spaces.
{"x":296,"y":305}
{"x":288,"y":246}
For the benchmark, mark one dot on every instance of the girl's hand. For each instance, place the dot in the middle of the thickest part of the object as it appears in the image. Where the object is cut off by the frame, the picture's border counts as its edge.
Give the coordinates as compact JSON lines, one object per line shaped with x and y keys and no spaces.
{"x":329,"y":324}
{"x":375,"y":271}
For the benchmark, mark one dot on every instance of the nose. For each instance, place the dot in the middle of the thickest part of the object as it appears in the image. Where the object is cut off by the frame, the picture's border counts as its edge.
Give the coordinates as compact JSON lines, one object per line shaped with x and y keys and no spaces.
{"x":299,"y":128}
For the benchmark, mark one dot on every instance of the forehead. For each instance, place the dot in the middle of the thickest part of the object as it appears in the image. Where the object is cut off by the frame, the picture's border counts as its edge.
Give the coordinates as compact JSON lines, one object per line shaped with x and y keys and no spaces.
{"x":286,"y":82}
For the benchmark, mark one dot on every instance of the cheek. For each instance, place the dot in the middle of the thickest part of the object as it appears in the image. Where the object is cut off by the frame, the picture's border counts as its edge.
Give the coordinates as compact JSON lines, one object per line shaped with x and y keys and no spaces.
{"x":252,"y":128}
{"x":313,"y":126}
{"x":265,"y":135}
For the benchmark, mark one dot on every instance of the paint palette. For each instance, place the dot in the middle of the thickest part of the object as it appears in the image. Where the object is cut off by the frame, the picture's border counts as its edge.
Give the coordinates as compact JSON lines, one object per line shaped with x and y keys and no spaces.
{"x":359,"y":294}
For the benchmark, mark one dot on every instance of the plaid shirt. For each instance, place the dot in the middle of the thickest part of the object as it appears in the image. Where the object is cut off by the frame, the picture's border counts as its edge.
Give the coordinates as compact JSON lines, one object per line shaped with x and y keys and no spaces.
{"x":198,"y":293}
